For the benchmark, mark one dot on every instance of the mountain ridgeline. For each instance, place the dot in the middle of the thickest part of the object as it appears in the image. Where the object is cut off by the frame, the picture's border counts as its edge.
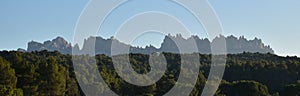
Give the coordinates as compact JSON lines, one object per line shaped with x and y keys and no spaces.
{"x":170,"y":44}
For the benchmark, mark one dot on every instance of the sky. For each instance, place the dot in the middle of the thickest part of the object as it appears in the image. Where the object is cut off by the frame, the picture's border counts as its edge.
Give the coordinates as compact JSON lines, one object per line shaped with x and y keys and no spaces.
{"x":276,"y":22}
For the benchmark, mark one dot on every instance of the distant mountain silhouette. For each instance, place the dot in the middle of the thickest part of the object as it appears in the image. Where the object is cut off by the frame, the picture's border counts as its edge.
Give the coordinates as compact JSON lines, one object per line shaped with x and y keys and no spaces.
{"x":103,"y":46}
{"x":59,"y":44}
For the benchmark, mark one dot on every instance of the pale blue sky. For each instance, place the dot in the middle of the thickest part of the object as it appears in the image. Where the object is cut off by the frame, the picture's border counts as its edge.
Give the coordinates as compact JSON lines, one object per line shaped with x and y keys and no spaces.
{"x":276,"y":22}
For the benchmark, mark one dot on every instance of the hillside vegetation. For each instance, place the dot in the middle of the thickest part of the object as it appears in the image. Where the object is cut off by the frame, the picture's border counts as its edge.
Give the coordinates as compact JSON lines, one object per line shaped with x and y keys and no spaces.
{"x":51,"y":73}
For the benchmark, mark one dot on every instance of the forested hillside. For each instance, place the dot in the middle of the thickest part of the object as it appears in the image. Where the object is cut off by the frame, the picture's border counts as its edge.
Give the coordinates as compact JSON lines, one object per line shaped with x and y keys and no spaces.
{"x":51,"y":73}
{"x":170,"y":43}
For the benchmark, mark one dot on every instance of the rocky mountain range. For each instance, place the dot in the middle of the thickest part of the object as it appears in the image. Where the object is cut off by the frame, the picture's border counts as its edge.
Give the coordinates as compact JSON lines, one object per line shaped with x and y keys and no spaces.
{"x":103,"y":46}
{"x":58,"y":44}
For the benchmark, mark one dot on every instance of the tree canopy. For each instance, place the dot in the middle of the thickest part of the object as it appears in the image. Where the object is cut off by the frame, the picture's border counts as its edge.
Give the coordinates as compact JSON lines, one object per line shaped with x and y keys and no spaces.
{"x":46,"y":73}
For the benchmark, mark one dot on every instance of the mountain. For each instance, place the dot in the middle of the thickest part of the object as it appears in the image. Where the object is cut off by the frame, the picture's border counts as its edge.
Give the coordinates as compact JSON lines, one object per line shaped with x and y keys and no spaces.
{"x":59,"y":44}
{"x":103,"y":46}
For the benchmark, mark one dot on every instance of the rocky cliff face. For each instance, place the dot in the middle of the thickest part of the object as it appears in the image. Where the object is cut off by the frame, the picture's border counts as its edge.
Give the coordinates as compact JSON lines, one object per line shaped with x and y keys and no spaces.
{"x":58,"y":44}
{"x":241,"y":44}
{"x":170,"y":44}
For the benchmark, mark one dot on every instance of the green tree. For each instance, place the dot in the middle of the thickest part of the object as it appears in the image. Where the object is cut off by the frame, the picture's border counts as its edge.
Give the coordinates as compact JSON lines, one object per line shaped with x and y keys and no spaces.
{"x":8,"y":80}
{"x":244,"y":88}
{"x":53,"y":78}
{"x":201,"y":81}
{"x":291,"y":89}
{"x":26,"y":74}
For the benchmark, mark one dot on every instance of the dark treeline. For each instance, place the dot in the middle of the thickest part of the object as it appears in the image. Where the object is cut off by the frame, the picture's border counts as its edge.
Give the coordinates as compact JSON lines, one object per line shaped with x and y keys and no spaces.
{"x":52,"y":74}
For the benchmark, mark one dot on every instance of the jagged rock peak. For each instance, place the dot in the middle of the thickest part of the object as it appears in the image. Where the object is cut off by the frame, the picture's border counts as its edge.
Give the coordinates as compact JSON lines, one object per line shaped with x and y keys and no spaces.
{"x":103,"y":46}
{"x":58,"y":44}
